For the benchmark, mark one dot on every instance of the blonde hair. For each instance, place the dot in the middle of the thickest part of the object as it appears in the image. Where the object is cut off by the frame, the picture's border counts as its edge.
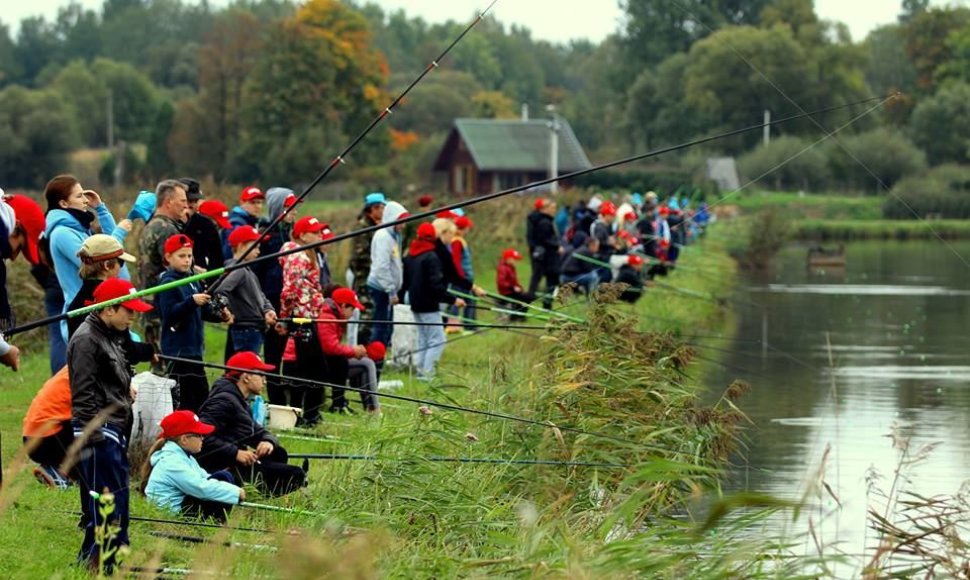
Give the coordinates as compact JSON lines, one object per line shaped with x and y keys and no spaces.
{"x":146,"y":467}
{"x":444,"y":226}
{"x":94,"y":269}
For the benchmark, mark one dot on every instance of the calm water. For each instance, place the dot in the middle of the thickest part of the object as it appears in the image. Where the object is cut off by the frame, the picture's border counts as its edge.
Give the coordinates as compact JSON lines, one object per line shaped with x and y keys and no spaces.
{"x":897,"y":318}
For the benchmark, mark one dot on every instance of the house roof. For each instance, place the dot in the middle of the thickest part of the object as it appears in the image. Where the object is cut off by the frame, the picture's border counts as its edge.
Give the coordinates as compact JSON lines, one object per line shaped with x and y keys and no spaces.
{"x":515,"y":145}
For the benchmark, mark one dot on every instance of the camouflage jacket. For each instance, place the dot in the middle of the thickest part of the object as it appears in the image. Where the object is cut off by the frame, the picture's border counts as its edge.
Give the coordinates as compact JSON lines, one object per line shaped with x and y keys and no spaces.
{"x":151,"y":248}
{"x":360,"y":258}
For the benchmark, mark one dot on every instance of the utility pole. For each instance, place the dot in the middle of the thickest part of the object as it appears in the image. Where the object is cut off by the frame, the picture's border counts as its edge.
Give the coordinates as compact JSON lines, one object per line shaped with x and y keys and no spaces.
{"x":553,"y":149}
{"x":766,"y":131}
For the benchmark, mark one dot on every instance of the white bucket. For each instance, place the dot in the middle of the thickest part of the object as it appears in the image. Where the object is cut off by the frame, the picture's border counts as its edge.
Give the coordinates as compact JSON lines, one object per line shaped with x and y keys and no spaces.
{"x":282,"y":417}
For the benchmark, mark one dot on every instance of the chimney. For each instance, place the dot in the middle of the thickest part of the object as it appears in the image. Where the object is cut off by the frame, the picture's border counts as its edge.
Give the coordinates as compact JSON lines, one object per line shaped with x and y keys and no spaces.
{"x":525,"y":111}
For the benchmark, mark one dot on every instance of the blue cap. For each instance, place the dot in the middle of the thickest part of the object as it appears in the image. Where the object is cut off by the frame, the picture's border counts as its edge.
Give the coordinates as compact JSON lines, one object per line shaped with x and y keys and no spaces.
{"x":672,"y":203}
{"x":374,"y":199}
{"x":458,"y":212}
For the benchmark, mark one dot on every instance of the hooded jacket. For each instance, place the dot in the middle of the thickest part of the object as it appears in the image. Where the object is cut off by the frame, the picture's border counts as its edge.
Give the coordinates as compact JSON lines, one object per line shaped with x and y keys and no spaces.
{"x":227,"y":411}
{"x":386,"y":269}
{"x":330,"y":331}
{"x":176,"y":474}
{"x":427,"y":285}
{"x":270,"y":272}
{"x":66,"y":234}
{"x":100,"y":378}
{"x":541,"y":237}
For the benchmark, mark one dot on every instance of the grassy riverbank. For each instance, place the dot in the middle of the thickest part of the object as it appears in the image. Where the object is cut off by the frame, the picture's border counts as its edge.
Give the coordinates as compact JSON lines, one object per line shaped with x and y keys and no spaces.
{"x":406,"y":516}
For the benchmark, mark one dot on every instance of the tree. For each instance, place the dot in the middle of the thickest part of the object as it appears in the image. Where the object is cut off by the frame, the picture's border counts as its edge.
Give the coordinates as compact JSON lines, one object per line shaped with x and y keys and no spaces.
{"x":787,"y":163}
{"x":941,"y":124}
{"x":926,"y":41}
{"x":133,"y":96}
{"x":36,"y":133}
{"x":10,"y":69}
{"x":884,"y":151}
{"x":912,"y":9}
{"x":888,"y":68}
{"x":36,"y":47}
{"x":86,"y":98}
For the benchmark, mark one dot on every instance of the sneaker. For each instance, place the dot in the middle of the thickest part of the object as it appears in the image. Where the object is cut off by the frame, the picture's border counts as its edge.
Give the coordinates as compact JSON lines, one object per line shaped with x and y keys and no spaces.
{"x":390,"y":384}
{"x":51,"y":477}
{"x":344,"y":410}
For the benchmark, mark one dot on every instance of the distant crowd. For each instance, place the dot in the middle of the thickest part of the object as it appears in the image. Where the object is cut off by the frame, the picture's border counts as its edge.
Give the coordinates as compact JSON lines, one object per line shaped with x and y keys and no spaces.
{"x":291,"y":327}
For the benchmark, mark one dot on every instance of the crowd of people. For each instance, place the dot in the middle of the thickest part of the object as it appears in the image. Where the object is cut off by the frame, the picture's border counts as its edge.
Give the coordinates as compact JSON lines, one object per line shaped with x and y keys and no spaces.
{"x":291,"y":327}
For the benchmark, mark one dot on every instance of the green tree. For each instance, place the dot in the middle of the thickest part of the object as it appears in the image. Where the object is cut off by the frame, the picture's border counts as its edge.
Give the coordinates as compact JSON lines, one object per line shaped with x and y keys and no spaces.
{"x":884,"y":151}
{"x":10,"y":69}
{"x":86,"y":98}
{"x":134,"y":98}
{"x":926,"y":41}
{"x":888,"y":68}
{"x":37,"y":47}
{"x":37,"y":133}
{"x":787,"y":163}
{"x":940,"y":125}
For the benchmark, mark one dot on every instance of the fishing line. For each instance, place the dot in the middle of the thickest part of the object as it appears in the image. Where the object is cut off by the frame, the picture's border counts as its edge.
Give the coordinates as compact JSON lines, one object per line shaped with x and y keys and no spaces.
{"x":485,"y":460}
{"x":404,"y":322}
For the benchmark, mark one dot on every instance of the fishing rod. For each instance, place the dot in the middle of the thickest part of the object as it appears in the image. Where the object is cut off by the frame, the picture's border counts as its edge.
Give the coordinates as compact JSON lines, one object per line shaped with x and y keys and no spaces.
{"x":439,"y":459}
{"x":404,"y":322}
{"x":274,"y":508}
{"x":342,"y":156}
{"x":426,"y":214}
{"x":546,"y":314}
{"x":201,"y":540}
{"x":447,"y":406}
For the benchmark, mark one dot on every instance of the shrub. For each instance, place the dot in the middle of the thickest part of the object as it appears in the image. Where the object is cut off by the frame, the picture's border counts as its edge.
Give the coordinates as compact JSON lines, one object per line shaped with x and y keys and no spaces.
{"x":886,"y":152}
{"x":944,"y":192}
{"x":790,"y":164}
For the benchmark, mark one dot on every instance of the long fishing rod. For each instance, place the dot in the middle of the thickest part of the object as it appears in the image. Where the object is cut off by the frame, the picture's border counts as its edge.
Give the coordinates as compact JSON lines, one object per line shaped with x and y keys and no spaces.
{"x":423,"y":215}
{"x":447,"y":406}
{"x":201,"y":540}
{"x":341,"y":157}
{"x":485,"y":460}
{"x":546,"y":314}
{"x":405,"y":322}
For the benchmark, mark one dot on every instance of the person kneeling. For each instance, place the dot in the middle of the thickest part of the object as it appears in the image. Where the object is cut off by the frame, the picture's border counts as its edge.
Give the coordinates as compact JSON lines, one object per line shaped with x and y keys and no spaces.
{"x":630,"y":274}
{"x":174,"y":480}
{"x":239,"y":443}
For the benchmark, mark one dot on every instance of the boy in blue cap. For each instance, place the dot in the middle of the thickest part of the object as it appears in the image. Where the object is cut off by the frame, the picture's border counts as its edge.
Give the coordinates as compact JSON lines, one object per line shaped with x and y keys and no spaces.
{"x":359,"y":269}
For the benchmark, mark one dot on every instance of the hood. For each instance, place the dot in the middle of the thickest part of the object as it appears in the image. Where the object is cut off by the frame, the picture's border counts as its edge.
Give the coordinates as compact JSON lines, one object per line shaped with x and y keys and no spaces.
{"x":59,"y":217}
{"x":170,"y":448}
{"x":275,"y":196}
{"x":537,"y":216}
{"x":392,"y":212}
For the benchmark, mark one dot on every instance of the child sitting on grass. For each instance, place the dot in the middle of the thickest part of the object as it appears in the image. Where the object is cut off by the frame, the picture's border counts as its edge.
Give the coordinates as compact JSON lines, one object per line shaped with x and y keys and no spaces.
{"x":172,"y":479}
{"x":250,"y":307}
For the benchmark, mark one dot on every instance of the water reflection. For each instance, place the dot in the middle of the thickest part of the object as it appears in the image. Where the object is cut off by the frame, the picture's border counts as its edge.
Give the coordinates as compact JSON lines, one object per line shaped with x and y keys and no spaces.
{"x":894,"y":323}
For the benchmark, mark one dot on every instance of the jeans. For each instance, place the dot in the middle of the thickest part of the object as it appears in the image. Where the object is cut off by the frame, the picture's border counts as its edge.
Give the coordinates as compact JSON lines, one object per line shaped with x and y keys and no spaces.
{"x":54,"y":305}
{"x":587,"y":281}
{"x":431,"y":342}
{"x":103,"y":467}
{"x":362,"y":374}
{"x":246,"y":338}
{"x":382,"y":311}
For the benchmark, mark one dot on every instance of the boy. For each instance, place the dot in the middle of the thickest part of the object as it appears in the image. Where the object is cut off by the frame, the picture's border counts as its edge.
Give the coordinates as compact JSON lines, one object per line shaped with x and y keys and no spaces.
{"x":630,"y":274}
{"x":101,"y":397}
{"x":182,"y":332}
{"x":387,"y":272}
{"x":246,"y":300}
{"x":247,"y":213}
{"x":507,"y":280}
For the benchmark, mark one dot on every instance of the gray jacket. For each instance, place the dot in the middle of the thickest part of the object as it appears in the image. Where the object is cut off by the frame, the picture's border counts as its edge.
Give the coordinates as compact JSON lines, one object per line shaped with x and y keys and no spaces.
{"x":246,"y":299}
{"x":386,"y":270}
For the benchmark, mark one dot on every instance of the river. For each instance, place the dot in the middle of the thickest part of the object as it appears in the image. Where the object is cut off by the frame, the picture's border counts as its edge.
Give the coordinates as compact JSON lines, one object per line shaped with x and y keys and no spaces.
{"x":895,"y":320}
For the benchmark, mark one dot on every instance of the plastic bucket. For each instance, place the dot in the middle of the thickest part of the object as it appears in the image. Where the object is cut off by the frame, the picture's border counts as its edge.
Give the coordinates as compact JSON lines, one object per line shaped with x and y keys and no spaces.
{"x":282,"y":417}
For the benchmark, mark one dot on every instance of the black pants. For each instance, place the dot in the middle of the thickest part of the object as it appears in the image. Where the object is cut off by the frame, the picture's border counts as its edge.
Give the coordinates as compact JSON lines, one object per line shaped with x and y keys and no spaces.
{"x":194,"y":507}
{"x":549,"y":271}
{"x":518,"y":297}
{"x":52,"y":449}
{"x":191,"y":384}
{"x":272,"y":475}
{"x":273,"y":347}
{"x":312,"y":364}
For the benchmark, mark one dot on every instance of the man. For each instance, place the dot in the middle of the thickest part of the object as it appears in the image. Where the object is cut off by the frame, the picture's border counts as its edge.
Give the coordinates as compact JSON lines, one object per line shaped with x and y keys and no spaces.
{"x":544,"y":248}
{"x":101,"y":398}
{"x":360,"y":262}
{"x":21,"y":225}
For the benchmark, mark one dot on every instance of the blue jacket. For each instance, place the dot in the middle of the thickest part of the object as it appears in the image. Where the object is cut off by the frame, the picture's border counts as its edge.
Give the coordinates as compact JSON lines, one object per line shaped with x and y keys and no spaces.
{"x":176,"y":474}
{"x":182,"y":331}
{"x":237,"y":217}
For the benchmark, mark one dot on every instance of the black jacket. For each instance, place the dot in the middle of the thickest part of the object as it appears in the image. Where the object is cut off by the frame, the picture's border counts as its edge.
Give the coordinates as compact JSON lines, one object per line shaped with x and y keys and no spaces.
{"x":628,"y":275}
{"x":448,"y":270}
{"x":573,"y":266}
{"x":135,"y":352}
{"x":227,"y":411}
{"x":99,"y":374}
{"x":206,"y":241}
{"x":541,"y":236}
{"x":426,"y":283}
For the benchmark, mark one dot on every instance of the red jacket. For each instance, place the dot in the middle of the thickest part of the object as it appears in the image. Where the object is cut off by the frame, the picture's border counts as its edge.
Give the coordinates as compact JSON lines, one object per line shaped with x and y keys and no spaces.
{"x":506,"y":278}
{"x":330,"y":330}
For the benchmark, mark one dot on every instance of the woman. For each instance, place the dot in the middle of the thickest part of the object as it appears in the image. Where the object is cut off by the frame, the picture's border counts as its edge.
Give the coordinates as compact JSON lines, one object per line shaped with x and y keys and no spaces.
{"x":69,"y":223}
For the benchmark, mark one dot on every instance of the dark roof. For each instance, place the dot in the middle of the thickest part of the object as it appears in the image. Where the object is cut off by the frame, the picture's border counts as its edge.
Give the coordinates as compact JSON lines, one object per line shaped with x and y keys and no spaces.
{"x":516,"y":145}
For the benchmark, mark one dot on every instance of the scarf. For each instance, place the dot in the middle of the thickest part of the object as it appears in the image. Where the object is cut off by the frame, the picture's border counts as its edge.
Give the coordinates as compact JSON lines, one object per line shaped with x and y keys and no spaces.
{"x":85,"y":217}
{"x":420,"y":246}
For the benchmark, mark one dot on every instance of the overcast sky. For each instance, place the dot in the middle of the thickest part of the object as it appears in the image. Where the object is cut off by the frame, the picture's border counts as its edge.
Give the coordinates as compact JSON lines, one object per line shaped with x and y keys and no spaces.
{"x":553,"y":20}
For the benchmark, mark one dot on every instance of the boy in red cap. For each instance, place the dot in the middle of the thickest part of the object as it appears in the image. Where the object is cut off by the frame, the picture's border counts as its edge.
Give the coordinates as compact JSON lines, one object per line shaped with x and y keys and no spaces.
{"x":101,"y":391}
{"x":253,"y":312}
{"x":240,"y":444}
{"x":247,"y":213}
{"x":182,"y":310}
{"x":507,"y":280}
{"x":630,"y":274}
{"x":173,"y":479}
{"x":21,"y":225}
{"x":345,"y":362}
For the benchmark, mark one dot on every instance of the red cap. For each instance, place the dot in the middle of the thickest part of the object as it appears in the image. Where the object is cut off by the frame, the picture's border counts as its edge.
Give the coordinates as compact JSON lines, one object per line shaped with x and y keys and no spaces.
{"x":664,"y":210}
{"x":116,"y":288}
{"x":247,"y":360}
{"x":634,"y":260}
{"x":183,"y":423}
{"x":376,"y":350}
{"x":630,"y":216}
{"x":347,"y":297}
{"x":326,"y":232}
{"x":290,"y":200}
{"x":216,"y":210}
{"x":511,"y":254}
{"x":307,"y":225}
{"x":176,"y":242}
{"x":250,"y":193}
{"x":425,"y":200}
{"x":427,"y":232}
{"x":664,"y":243}
{"x":31,"y":219}
{"x":447,"y":214}
{"x":243,"y":235}
{"x":608,"y":208}
{"x":463,"y":223}
{"x":540,"y":203}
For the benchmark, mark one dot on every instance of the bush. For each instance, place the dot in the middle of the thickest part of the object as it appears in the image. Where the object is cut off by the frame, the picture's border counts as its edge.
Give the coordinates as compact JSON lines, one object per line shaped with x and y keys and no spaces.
{"x":789,"y":166}
{"x":886,"y":152}
{"x":664,"y":181}
{"x":944,"y":192}
{"x":941,"y":124}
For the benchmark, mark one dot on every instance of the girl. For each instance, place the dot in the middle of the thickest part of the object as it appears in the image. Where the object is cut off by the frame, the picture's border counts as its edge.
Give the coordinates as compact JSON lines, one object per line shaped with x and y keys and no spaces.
{"x":172,"y":478}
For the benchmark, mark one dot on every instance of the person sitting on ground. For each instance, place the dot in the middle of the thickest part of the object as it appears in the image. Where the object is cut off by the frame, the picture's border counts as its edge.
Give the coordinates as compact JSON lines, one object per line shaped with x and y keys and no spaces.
{"x":507,"y":280}
{"x":250,"y":307}
{"x":631,"y":275}
{"x":47,"y":430}
{"x":173,"y":479}
{"x":182,"y":310}
{"x":345,"y":362}
{"x":239,"y":443}
{"x":582,"y":272}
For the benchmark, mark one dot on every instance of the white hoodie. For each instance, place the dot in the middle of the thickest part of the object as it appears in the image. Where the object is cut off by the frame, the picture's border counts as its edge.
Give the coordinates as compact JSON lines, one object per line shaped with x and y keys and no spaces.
{"x":386,"y":270}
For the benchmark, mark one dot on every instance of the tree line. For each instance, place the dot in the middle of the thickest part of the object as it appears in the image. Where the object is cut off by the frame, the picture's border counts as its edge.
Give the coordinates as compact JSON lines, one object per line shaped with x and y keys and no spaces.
{"x":270,"y":90}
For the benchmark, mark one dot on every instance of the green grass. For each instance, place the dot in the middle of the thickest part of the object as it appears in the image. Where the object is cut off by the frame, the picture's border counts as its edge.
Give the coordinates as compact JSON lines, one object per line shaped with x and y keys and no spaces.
{"x":405,"y":517}
{"x":810,"y":206}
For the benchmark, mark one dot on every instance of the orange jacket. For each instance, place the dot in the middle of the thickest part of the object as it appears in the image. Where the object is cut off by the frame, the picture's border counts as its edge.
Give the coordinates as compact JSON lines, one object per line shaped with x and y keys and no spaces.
{"x":51,"y":407}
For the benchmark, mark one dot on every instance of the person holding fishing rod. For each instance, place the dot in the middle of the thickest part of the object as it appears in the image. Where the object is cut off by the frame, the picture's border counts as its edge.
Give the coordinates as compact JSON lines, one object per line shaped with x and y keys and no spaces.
{"x":21,"y":225}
